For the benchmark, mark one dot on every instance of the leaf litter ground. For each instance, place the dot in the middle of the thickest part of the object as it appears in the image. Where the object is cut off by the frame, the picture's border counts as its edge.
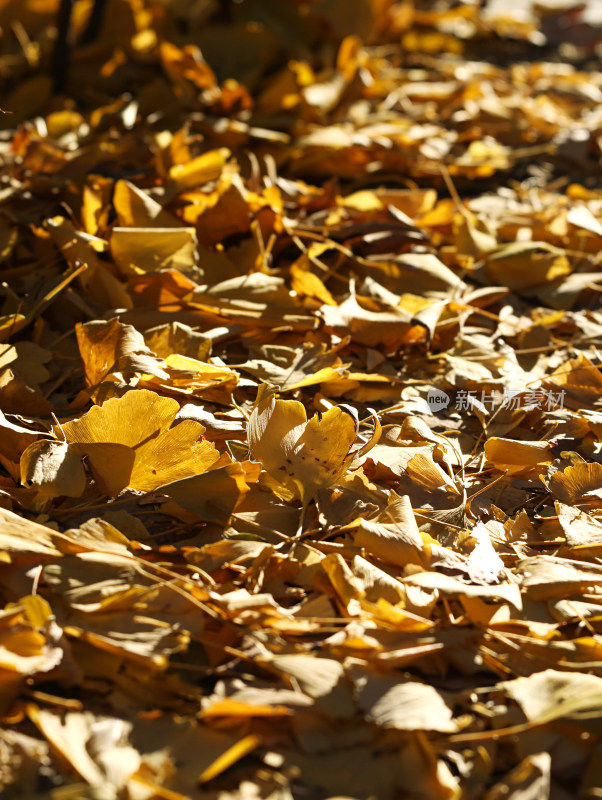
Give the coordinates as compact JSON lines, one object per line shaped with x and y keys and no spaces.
{"x":301,"y":480}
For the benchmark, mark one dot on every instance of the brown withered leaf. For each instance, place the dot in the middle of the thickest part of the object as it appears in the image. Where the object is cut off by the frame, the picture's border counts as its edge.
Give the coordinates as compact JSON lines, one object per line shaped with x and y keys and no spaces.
{"x":369,"y":326}
{"x":579,"y":380}
{"x":168,"y":339}
{"x":524,"y":265}
{"x":185,"y":376}
{"x":78,"y":248}
{"x":580,"y":528}
{"x":13,"y":441}
{"x":292,"y":369}
{"x":78,"y":735}
{"x":552,"y":694}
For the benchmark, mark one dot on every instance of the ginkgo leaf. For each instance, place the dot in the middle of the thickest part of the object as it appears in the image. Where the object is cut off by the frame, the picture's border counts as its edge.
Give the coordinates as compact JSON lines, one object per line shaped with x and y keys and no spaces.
{"x":579,"y":382}
{"x":417,"y":618}
{"x":521,"y":265}
{"x":21,"y":538}
{"x":303,"y":455}
{"x":79,"y":248}
{"x":580,"y":529}
{"x":549,"y":577}
{"x":316,"y":676}
{"x":130,"y":437}
{"x":204,"y":168}
{"x":425,"y":473}
{"x":69,"y":737}
{"x":516,"y":456}
{"x":577,"y":483}
{"x":387,"y":327}
{"x":54,"y":468}
{"x":110,"y":463}
{"x":387,"y":462}
{"x":393,"y":535}
{"x":184,"y":371}
{"x":391,"y":702}
{"x":308,"y":284}
{"x":552,"y":694}
{"x":165,"y":340}
{"x":137,"y":209}
{"x":292,"y":369}
{"x":26,"y":359}
{"x":113,"y":347}
{"x":96,"y":207}
{"x":581,"y":217}
{"x":484,"y":557}
{"x":14,"y":439}
{"x":214,"y":495}
{"x":139,"y":250}
{"x":25,"y":650}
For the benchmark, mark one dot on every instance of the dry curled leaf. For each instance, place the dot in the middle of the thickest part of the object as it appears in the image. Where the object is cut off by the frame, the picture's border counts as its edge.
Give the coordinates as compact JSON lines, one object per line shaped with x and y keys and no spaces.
{"x":303,"y":455}
{"x":111,"y":349}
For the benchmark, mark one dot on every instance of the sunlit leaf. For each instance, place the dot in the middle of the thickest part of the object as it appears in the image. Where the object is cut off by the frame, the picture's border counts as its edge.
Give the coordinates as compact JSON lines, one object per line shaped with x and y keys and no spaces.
{"x":128,"y":441}
{"x":304,"y":455}
{"x":54,"y":468}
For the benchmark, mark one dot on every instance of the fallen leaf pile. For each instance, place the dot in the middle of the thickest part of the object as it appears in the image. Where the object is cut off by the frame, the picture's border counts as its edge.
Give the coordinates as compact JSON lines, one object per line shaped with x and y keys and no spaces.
{"x":301,"y":401}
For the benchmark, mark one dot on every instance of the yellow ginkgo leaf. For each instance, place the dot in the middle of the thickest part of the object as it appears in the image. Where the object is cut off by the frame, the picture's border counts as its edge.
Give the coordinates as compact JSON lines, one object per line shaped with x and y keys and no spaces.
{"x":578,"y":483}
{"x":202,"y":169}
{"x":307,"y":284}
{"x":423,"y":471}
{"x":128,"y":442}
{"x":303,"y":455}
{"x":110,"y":464}
{"x":140,"y":250}
{"x":137,"y":209}
{"x":517,"y":457}
{"x":520,"y":265}
{"x":186,"y":371}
